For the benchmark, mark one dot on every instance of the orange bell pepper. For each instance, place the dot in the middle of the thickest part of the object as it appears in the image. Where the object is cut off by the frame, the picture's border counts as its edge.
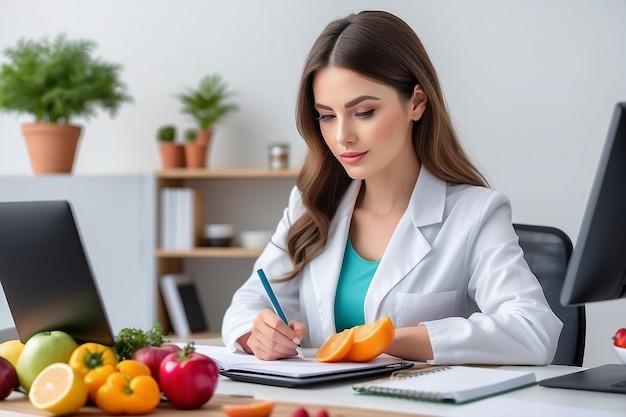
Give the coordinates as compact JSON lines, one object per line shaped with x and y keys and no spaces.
{"x":95,"y":362}
{"x":129,"y":390}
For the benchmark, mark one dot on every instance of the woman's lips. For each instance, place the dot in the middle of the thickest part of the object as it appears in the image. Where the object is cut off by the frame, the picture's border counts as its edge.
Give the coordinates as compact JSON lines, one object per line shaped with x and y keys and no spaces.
{"x":352,"y":157}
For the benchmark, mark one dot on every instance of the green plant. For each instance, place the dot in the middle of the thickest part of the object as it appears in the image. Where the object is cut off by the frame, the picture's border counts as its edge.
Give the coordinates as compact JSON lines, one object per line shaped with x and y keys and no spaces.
{"x":191,"y":135}
{"x":207,"y":103}
{"x":57,"y":80}
{"x":166,"y":133}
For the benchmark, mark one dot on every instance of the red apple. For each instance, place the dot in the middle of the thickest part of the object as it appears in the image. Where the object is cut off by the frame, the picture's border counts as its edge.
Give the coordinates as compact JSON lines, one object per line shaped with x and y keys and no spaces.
{"x":154,"y":355}
{"x":620,"y":338}
{"x":8,"y":378}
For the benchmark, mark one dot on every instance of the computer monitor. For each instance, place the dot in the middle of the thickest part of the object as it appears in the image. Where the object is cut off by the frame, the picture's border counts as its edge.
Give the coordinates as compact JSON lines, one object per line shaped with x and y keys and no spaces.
{"x":597,"y":267}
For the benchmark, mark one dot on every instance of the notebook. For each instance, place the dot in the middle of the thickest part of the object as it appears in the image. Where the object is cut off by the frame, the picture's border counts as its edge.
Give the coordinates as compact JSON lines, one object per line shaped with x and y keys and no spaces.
{"x":45,"y":273}
{"x":294,"y":371}
{"x":448,"y":384}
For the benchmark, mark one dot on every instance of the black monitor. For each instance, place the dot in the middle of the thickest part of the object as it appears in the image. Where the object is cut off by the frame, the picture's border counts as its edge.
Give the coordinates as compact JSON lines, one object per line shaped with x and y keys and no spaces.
{"x":597,"y":267}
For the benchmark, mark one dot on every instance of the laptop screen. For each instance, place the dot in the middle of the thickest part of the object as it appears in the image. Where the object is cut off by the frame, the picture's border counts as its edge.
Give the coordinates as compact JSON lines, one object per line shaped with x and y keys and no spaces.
{"x":46,"y":275}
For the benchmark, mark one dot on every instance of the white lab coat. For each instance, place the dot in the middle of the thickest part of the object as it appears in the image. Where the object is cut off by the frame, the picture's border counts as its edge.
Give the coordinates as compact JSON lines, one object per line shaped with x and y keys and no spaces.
{"x":453,"y":264}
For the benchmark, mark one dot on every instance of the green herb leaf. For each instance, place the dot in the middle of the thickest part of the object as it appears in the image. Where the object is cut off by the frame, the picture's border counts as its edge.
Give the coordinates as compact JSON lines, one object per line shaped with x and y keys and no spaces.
{"x":131,"y":339}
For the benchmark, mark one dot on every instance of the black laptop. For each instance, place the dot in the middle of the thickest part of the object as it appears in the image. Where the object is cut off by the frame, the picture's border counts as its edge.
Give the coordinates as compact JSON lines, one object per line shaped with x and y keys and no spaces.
{"x":604,"y":378}
{"x":45,"y":273}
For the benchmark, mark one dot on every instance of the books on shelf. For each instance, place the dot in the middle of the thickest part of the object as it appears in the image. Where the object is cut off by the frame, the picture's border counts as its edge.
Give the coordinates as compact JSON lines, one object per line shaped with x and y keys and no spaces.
{"x":449,"y":384}
{"x":183,"y":304}
{"x":180,"y":218}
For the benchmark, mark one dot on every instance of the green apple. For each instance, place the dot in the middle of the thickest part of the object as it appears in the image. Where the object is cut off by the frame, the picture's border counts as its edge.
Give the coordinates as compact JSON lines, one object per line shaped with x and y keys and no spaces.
{"x":41,"y":350}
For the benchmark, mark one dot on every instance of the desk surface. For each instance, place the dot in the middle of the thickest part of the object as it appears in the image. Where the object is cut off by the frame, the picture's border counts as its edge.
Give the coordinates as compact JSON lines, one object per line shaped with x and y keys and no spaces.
{"x":340,"y":399}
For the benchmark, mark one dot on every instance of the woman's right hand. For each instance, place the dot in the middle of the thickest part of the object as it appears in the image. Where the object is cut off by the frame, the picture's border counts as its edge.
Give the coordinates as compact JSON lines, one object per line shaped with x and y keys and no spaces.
{"x":271,"y":338}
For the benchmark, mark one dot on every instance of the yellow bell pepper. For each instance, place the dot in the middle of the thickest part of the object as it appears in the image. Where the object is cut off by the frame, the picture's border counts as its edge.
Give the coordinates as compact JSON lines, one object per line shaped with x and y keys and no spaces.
{"x":95,"y":362}
{"x":129,"y":390}
{"x":90,"y":356}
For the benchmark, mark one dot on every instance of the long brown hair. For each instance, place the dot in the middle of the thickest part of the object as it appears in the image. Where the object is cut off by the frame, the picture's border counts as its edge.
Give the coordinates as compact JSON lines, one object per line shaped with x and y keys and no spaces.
{"x":382,"y":47}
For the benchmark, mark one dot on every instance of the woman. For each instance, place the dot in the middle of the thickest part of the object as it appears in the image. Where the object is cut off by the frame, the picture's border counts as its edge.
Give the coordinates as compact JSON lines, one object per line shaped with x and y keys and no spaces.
{"x":389,"y":217}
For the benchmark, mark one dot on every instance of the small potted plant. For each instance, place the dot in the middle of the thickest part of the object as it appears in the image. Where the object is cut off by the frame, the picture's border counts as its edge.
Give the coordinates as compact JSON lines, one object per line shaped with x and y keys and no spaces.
{"x":207,"y":104}
{"x":172,"y":153}
{"x":35,"y":80}
{"x":195,"y":152}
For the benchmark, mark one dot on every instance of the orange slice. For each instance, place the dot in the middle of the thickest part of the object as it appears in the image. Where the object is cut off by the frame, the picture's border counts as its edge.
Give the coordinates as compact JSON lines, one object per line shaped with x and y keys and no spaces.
{"x":370,"y":340}
{"x":58,"y":389}
{"x":335,"y":348}
{"x":255,"y":409}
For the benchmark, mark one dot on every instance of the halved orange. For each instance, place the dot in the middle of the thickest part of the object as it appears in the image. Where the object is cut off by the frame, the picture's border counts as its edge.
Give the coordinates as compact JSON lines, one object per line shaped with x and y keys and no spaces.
{"x":370,"y":340}
{"x":335,"y":348}
{"x":255,"y":409}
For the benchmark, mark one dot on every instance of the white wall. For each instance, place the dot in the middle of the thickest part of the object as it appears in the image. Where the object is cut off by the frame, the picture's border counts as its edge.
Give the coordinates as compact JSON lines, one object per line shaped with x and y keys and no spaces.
{"x":531,"y":85}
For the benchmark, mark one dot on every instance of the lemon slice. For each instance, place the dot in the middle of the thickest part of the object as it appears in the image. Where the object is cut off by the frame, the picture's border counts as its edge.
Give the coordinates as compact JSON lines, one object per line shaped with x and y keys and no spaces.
{"x":58,"y":389}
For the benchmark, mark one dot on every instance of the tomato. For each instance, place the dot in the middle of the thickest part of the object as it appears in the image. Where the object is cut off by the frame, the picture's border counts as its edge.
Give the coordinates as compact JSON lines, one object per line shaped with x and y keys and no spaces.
{"x":620,"y":338}
{"x":153,"y":356}
{"x":188,"y":378}
{"x":8,"y":378}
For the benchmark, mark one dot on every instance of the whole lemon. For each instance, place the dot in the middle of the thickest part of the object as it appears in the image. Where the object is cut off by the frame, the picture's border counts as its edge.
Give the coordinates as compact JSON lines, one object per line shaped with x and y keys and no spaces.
{"x":11,"y":350}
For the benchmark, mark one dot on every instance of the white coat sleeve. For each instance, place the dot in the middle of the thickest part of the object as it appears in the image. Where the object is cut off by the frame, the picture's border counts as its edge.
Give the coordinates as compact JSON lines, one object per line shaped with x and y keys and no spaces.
{"x":515,"y":324}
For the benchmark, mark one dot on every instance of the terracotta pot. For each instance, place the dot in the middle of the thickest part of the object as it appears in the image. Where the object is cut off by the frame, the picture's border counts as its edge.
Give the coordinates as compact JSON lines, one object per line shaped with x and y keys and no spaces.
{"x":172,"y":155}
{"x":195,"y":155}
{"x":203,"y":136}
{"x":51,"y":147}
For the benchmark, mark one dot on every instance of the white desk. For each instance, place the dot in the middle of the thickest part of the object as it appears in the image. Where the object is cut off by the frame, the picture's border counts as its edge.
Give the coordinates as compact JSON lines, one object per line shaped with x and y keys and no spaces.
{"x":535,"y":401}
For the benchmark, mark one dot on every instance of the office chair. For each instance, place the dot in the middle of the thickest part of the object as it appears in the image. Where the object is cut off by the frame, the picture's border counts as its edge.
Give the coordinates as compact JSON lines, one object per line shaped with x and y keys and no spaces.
{"x":547,"y":251}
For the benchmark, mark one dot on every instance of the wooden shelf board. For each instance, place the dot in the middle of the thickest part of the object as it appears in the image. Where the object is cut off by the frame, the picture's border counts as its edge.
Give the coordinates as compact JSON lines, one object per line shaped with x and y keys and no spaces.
{"x":191,"y":173}
{"x":231,"y":252}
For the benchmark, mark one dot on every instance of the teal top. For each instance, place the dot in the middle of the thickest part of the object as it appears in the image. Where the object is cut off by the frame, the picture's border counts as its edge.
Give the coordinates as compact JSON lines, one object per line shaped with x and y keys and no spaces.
{"x":354,"y":280}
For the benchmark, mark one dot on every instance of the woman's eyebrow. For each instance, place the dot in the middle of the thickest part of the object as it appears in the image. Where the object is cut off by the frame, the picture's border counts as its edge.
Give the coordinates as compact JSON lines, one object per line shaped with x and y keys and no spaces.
{"x":358,"y":100}
{"x":322,"y":106}
{"x":349,"y":104}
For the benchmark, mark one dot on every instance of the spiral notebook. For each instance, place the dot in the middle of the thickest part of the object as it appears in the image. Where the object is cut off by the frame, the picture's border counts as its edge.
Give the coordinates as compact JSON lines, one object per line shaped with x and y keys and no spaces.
{"x":449,"y":384}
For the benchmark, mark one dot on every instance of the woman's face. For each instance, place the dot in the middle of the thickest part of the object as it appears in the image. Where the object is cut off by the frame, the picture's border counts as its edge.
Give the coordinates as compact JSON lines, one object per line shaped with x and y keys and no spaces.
{"x":365,"y":124}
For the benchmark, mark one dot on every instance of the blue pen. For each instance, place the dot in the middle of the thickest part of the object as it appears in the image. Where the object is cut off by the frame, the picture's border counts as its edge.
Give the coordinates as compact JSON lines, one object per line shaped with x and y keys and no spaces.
{"x":274,"y":300}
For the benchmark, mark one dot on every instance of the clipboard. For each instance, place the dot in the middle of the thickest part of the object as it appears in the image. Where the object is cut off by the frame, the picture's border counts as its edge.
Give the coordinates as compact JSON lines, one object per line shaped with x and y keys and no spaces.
{"x":296,"y":372}
{"x":301,"y":381}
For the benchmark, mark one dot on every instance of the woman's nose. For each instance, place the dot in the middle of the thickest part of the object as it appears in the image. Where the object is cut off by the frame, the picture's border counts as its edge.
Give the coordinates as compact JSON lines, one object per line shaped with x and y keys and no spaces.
{"x":345,"y":133}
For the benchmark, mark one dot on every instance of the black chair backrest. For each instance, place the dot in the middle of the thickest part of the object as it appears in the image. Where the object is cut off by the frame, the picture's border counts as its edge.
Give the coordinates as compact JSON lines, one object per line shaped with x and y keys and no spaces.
{"x":547,"y":251}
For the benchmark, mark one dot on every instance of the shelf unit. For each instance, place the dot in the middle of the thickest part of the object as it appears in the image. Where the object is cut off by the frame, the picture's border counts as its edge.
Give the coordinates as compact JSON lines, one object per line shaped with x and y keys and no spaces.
{"x":247,"y":198}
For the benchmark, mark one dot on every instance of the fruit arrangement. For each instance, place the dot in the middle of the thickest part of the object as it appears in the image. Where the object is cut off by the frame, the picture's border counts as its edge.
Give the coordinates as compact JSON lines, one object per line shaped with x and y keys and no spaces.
{"x":130,"y":378}
{"x":60,"y":376}
{"x":359,"y":343}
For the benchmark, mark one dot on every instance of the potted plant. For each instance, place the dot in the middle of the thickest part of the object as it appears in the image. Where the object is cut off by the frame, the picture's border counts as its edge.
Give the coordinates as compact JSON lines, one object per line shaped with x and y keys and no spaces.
{"x":56,"y":81}
{"x":172,"y":153}
{"x":207,"y":104}
{"x":195,"y":152}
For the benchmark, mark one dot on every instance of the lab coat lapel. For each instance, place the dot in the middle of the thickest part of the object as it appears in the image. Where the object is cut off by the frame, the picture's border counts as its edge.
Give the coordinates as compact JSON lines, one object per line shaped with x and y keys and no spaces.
{"x":407,"y":246}
{"x":327,"y":266}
